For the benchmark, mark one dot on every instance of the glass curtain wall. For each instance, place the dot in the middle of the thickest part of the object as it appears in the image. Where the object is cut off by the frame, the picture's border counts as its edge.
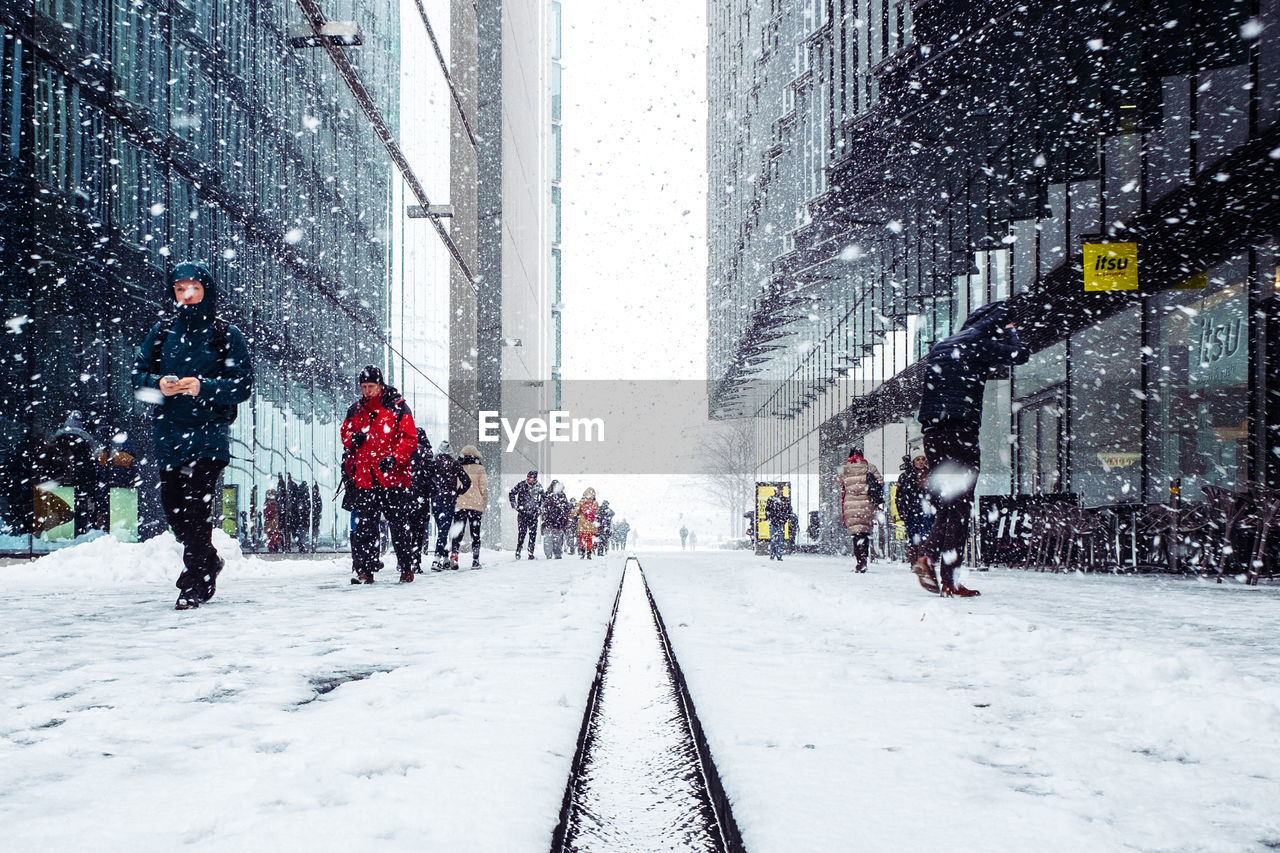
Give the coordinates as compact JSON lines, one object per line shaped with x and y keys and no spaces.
{"x":138,"y":134}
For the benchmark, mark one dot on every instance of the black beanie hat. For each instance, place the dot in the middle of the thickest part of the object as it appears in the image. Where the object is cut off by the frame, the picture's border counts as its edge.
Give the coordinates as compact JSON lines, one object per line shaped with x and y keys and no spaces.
{"x":371,"y":374}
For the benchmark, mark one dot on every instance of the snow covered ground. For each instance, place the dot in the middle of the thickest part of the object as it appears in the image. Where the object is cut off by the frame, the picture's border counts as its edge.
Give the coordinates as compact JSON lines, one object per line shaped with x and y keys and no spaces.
{"x":1056,"y":712}
{"x":844,"y":711}
{"x":126,"y":725}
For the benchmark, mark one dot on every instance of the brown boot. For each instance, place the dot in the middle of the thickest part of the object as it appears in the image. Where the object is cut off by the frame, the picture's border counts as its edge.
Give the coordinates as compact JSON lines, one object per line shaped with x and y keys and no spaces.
{"x":958,"y":591}
{"x":923,"y":568}
{"x":406,"y":576}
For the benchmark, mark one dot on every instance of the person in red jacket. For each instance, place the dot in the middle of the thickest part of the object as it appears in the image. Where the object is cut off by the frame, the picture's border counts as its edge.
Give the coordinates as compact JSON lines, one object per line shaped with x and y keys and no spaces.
{"x":379,"y":437}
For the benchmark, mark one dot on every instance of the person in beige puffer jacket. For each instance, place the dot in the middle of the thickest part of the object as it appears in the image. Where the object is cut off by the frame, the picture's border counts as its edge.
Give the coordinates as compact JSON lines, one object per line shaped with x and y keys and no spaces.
{"x":470,"y":506}
{"x":858,"y":503}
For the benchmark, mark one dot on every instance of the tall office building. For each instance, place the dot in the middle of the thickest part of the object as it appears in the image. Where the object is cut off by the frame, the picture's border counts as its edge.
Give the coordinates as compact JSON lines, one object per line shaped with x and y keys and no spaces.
{"x":503,"y":347}
{"x":879,"y":168}
{"x":135,"y":135}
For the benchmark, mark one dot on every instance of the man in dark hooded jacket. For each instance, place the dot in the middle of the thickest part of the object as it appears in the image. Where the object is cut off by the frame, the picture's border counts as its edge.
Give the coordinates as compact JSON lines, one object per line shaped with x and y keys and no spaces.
{"x":195,"y":368}
{"x":956,"y":371}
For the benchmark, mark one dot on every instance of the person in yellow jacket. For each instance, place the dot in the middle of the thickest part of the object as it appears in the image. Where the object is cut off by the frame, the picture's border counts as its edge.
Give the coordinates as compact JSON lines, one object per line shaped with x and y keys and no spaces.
{"x":585,"y":512}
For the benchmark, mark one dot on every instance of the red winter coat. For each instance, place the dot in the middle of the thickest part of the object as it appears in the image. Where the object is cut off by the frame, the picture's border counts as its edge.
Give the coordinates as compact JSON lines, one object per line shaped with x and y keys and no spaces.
{"x":388,"y":426}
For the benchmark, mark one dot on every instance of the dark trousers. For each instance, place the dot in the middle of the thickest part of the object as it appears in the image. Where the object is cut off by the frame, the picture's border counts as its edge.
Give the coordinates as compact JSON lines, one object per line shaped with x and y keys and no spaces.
{"x":371,"y":506}
{"x":554,"y":539}
{"x":861,"y":549}
{"x":442,"y":512}
{"x":776,"y":541}
{"x":526,"y":524}
{"x":186,"y":494}
{"x":420,"y":521}
{"x":954,"y":458}
{"x":465,"y":518}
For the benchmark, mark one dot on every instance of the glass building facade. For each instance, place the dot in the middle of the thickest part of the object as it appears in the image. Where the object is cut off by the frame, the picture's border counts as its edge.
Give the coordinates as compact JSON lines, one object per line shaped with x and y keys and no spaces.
{"x":880,"y":168}
{"x":139,"y":133}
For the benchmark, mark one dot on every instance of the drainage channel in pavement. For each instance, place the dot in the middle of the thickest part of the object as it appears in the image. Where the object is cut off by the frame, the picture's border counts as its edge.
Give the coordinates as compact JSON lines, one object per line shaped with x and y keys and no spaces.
{"x":642,"y":778}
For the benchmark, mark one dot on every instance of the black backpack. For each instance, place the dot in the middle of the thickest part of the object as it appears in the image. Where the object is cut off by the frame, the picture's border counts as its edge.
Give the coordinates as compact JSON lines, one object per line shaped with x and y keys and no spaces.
{"x":221,"y":341}
{"x":875,"y":489}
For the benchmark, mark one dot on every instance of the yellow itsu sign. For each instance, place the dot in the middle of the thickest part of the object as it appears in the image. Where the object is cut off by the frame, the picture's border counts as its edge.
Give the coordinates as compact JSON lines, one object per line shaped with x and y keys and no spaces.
{"x":1110,"y":266}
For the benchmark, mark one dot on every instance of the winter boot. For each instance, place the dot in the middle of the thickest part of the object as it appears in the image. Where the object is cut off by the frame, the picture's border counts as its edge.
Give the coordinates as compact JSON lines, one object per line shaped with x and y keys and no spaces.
{"x":435,"y":565}
{"x":588,"y":555}
{"x":187,"y":600}
{"x":211,"y":580}
{"x":362,"y":577}
{"x":923,"y":569}
{"x":531,"y":557}
{"x":475,"y":561}
{"x":959,"y":591}
{"x":406,"y":576}
{"x":453,"y":561}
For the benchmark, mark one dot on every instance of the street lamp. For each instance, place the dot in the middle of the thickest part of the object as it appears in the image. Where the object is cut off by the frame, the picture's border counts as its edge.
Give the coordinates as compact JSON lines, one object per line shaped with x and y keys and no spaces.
{"x":434,"y":211}
{"x":340,"y":33}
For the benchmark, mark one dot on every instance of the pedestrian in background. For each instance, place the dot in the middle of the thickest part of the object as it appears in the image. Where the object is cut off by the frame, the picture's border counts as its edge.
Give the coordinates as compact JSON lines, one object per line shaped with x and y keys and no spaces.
{"x":448,"y":481}
{"x":282,"y":499}
{"x":861,"y":496}
{"x":584,"y":514}
{"x":604,"y":524}
{"x":271,"y":522}
{"x":196,"y":367}
{"x":555,"y":518}
{"x":420,"y":493}
{"x":380,"y":437}
{"x":526,"y":499}
{"x":910,"y":499}
{"x":468,"y":510}
{"x":777,"y":510}
{"x":315,"y":514}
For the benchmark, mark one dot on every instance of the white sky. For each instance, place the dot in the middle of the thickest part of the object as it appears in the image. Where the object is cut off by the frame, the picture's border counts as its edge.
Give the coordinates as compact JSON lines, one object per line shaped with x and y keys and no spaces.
{"x":635,"y":258}
{"x":634,"y":190}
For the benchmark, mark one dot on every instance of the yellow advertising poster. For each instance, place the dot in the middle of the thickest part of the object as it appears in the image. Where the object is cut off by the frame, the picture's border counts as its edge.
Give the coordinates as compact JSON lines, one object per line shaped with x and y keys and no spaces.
{"x":1110,"y":266}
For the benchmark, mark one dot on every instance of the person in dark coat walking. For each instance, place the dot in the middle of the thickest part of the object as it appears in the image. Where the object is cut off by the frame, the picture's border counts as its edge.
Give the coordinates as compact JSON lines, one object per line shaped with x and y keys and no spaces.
{"x":555,"y":518}
{"x":283,"y":502}
{"x":380,"y":437}
{"x":420,"y":493}
{"x":604,"y":521}
{"x":526,"y":499}
{"x":316,"y":508}
{"x":912,"y":501}
{"x":777,"y":511}
{"x":196,"y":369}
{"x":448,"y":480}
{"x":956,"y":371}
{"x":302,"y":513}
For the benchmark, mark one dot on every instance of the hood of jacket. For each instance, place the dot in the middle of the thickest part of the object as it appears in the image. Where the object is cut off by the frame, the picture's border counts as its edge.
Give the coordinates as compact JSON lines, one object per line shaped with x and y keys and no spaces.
{"x":474,"y":452}
{"x":203,"y":312}
{"x":993,"y":315}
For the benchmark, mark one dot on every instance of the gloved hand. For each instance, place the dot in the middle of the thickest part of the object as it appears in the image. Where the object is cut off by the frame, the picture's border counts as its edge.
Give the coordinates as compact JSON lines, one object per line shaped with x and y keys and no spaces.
{"x":358,"y":439}
{"x":387,"y":464}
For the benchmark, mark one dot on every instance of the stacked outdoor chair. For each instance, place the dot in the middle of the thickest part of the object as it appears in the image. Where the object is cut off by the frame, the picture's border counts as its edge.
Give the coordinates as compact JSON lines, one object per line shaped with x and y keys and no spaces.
{"x":1264,"y":508}
{"x":1158,"y":536}
{"x":1239,"y":516}
{"x":1196,"y":538}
